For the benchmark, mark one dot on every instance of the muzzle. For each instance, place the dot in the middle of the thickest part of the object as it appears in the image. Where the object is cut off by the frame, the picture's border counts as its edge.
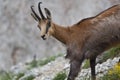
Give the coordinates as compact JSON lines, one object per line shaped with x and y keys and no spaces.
{"x":43,"y":37}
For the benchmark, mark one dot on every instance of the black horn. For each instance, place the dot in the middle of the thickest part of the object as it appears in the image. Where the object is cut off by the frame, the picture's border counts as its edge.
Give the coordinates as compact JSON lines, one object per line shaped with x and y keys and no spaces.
{"x":40,"y":11}
{"x":34,"y":13}
{"x":34,"y":16}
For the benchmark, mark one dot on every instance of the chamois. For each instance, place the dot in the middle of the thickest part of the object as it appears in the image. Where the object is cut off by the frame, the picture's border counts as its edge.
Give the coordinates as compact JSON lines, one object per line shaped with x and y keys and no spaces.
{"x":85,"y":39}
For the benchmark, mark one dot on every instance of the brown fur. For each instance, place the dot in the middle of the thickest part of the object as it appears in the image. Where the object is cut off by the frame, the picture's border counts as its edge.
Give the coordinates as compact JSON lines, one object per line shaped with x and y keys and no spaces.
{"x":88,"y":38}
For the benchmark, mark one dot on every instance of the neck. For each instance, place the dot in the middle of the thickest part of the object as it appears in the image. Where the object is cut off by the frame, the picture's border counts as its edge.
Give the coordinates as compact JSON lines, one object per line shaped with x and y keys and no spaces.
{"x":60,"y":33}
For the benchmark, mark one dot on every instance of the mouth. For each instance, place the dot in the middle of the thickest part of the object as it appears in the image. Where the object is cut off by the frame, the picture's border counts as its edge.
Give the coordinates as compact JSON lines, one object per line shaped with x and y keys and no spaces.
{"x":43,"y":37}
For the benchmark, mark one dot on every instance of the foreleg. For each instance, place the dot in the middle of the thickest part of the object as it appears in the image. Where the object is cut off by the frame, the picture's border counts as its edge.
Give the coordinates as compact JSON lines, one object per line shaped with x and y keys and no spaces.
{"x":92,"y":65}
{"x":74,"y":69}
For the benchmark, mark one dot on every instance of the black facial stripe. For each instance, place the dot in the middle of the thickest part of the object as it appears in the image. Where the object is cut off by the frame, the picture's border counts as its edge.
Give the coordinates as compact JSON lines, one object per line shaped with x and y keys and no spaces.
{"x":39,"y":27}
{"x":48,"y":26}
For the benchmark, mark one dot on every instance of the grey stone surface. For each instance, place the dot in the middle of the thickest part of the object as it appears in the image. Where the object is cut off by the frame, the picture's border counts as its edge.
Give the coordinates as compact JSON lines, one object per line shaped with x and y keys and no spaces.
{"x":49,"y":71}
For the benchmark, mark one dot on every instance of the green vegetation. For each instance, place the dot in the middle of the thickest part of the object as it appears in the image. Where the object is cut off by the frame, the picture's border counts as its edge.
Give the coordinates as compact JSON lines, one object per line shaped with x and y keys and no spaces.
{"x":31,"y":77}
{"x":60,"y":76}
{"x":106,"y":55}
{"x":86,"y":65}
{"x":6,"y":75}
{"x":85,"y":78}
{"x":10,"y":76}
{"x":36,"y":63}
{"x":113,"y":74}
{"x":47,"y":60}
{"x":110,"y":54}
{"x":32,"y":64}
{"x":18,"y":76}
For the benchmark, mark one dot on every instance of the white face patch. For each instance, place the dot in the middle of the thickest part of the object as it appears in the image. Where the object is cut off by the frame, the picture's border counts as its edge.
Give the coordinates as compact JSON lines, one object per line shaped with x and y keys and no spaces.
{"x":43,"y":30}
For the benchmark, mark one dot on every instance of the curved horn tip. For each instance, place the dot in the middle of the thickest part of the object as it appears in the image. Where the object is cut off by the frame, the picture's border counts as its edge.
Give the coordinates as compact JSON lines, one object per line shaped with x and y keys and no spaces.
{"x":40,"y":11}
{"x":32,"y":6}
{"x":46,"y":9}
{"x":40,"y":2}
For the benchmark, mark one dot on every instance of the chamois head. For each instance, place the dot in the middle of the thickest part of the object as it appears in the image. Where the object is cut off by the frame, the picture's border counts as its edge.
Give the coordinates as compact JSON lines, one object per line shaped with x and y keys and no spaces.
{"x":44,"y":23}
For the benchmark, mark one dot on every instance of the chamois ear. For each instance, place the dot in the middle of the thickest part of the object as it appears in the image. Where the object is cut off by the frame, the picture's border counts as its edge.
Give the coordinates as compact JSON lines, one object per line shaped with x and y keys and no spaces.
{"x":48,"y":14}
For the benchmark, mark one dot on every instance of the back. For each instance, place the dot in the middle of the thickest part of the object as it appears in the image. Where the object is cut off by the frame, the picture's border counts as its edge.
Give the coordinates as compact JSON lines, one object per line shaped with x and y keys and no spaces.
{"x":105,"y":31}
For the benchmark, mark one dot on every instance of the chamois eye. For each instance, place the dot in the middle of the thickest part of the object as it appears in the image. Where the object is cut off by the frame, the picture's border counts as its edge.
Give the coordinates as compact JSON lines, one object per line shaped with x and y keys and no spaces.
{"x":39,"y":27}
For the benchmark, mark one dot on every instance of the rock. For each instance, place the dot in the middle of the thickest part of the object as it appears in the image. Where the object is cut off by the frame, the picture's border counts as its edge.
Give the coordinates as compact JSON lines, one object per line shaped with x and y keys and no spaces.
{"x":49,"y":71}
{"x":20,"y":68}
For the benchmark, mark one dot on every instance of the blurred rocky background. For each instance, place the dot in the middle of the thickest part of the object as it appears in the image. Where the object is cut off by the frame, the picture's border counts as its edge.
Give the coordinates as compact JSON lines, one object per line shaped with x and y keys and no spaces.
{"x":19,"y":36}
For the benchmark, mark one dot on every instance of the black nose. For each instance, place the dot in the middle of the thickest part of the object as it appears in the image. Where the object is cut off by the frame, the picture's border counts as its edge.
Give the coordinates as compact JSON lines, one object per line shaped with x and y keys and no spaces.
{"x":43,"y":37}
